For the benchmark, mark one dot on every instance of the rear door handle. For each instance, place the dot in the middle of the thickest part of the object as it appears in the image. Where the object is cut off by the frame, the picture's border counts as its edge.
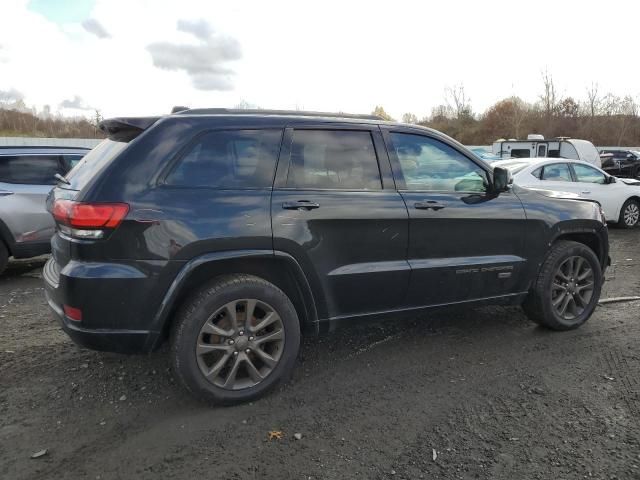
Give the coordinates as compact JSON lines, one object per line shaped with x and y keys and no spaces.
{"x":585,"y":193}
{"x":4,"y":193}
{"x":429,"y":205}
{"x":300,"y":205}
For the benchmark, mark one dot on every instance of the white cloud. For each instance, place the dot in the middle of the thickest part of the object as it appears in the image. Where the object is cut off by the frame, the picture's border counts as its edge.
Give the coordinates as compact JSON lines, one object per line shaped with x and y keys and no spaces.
{"x":204,"y":62}
{"x":76,"y":103}
{"x":10,"y":96}
{"x":93,"y":26}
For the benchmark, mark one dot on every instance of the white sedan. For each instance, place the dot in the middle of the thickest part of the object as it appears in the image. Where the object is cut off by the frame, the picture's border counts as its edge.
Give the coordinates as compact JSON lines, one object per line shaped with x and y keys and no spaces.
{"x":619,"y":197}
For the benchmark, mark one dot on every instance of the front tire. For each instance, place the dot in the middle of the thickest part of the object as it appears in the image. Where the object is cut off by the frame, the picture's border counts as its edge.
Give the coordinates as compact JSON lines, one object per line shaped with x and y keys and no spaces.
{"x":567,"y":289}
{"x":629,"y":214}
{"x":235,"y":340}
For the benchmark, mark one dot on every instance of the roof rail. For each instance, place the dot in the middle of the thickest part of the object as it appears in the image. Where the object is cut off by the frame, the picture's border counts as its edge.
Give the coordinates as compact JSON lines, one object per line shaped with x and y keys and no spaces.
{"x":297,"y":113}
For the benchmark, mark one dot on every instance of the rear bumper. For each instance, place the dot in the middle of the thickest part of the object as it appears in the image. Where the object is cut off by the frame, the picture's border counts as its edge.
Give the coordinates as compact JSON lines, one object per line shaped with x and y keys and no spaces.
{"x":104,"y":300}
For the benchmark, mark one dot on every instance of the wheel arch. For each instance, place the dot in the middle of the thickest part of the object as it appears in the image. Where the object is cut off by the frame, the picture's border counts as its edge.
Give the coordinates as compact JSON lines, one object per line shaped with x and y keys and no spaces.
{"x":278,"y":268}
{"x":7,"y":237}
{"x":632,"y":197}
{"x":589,"y":238}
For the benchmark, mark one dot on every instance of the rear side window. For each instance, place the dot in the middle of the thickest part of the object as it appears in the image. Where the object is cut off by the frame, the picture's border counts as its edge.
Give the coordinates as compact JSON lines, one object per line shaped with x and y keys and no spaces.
{"x":333,"y":159}
{"x":30,"y":169}
{"x":72,"y":160}
{"x":229,"y":159}
{"x":93,"y":163}
{"x":558,"y":172}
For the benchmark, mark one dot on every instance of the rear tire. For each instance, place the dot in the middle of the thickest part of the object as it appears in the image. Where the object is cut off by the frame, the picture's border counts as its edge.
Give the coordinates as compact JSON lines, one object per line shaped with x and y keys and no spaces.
{"x":570,"y":277}
{"x":629,"y":214}
{"x":235,"y":339}
{"x":4,"y":257}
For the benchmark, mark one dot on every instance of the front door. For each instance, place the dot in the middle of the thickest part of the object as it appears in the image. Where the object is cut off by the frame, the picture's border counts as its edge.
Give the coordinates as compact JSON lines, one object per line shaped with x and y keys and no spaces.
{"x":464,"y":242}
{"x":592,"y":183}
{"x":341,"y":219}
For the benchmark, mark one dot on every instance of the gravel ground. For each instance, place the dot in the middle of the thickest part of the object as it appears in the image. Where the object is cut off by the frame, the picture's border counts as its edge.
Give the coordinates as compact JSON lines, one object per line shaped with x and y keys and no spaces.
{"x":479,"y":393}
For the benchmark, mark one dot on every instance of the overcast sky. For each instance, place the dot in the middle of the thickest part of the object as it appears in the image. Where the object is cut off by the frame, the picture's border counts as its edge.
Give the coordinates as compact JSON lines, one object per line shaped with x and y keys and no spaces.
{"x":141,"y":57}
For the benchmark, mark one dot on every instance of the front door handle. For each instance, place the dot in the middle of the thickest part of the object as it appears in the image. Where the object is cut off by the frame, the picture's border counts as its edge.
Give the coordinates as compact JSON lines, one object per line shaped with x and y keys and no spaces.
{"x":300,"y":205}
{"x":4,"y":193}
{"x":429,"y":205}
{"x":585,"y":193}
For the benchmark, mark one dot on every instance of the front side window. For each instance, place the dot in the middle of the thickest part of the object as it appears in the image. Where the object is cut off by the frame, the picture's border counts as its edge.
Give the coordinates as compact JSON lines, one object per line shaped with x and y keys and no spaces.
{"x":229,"y":159}
{"x":29,"y":169}
{"x":587,"y":174}
{"x":558,"y":172}
{"x":429,"y":164}
{"x":333,"y":159}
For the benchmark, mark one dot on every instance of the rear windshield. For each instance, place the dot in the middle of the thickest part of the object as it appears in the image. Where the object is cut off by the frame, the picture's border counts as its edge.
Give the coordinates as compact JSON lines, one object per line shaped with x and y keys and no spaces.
{"x":515,"y":167}
{"x":92,"y":163}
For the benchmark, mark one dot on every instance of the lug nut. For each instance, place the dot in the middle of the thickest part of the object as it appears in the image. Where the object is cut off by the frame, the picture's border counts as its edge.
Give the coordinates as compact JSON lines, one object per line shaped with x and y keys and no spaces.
{"x":250,"y":338}
{"x":241,"y":332}
{"x":231,"y":342}
{"x":247,"y":351}
{"x":235,"y":353}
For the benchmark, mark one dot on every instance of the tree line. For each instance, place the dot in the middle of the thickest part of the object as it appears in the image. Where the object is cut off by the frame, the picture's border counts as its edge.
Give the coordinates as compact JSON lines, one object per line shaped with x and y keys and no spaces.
{"x":17,"y":120}
{"x":602,"y":118}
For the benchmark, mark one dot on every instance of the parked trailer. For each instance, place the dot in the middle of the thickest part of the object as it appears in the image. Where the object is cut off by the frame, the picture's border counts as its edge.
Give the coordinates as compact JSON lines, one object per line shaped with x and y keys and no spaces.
{"x":536,"y":146}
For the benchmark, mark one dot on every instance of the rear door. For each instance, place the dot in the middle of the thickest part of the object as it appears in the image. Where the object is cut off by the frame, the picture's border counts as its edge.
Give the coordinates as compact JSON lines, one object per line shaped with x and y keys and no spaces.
{"x":557,"y":177}
{"x":464,"y":242}
{"x":335,"y":209}
{"x":25,"y":181}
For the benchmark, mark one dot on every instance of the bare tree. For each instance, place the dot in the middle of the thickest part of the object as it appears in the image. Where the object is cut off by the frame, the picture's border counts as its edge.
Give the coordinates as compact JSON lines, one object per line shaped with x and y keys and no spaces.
{"x":244,"y":105}
{"x":549,"y":98}
{"x":409,"y":118}
{"x":593,"y":99}
{"x":458,"y":101}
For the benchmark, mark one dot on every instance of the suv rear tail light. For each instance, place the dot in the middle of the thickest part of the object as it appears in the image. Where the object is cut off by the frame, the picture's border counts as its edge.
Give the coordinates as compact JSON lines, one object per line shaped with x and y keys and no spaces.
{"x":87,"y":220}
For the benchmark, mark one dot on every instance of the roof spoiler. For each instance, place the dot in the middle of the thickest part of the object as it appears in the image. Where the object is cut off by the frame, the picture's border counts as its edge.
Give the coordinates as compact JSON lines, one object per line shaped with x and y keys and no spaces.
{"x":126,"y":129}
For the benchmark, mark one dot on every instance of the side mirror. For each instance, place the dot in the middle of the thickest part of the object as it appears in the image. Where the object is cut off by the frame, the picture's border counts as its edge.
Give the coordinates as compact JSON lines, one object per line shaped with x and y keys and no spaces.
{"x":611,"y":179}
{"x":629,"y":155}
{"x":501,"y":179}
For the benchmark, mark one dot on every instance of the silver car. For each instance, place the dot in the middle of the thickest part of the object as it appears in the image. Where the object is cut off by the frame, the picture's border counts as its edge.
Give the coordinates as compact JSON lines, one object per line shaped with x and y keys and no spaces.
{"x":27,"y":174}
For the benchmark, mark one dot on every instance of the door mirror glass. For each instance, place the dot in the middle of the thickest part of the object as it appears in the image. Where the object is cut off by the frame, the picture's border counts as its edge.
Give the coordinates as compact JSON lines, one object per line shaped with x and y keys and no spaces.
{"x":611,"y":179}
{"x":501,"y":179}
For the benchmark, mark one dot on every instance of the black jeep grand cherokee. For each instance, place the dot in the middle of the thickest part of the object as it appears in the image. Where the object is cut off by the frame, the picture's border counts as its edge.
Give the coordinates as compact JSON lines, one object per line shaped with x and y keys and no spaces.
{"x":230,"y":232}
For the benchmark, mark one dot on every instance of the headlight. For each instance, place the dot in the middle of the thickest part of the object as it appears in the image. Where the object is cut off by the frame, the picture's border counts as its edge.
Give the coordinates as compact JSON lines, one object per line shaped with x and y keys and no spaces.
{"x":602,"y":217}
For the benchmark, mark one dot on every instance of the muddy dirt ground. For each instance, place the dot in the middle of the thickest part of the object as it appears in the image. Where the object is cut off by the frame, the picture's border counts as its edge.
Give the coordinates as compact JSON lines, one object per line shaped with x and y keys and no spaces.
{"x":479,"y":393}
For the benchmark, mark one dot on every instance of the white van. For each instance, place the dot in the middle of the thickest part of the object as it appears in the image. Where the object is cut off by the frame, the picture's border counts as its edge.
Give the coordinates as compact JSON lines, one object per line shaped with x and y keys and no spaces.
{"x":536,"y":146}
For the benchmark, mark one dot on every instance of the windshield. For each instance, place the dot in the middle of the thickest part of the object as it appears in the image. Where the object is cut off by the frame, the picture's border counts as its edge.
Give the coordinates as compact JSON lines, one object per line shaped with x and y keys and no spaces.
{"x":93,"y":162}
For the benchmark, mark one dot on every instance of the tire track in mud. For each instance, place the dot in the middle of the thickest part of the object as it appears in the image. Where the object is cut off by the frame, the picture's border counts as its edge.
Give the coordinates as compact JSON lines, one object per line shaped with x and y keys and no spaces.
{"x":618,"y":368}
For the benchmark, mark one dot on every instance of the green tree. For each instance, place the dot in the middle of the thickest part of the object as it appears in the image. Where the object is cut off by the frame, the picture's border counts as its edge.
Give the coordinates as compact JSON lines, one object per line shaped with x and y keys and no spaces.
{"x":379,"y":111}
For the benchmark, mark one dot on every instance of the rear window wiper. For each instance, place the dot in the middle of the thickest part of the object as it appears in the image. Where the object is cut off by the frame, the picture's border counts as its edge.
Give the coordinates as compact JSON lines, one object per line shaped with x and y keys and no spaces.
{"x":62,"y":179}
